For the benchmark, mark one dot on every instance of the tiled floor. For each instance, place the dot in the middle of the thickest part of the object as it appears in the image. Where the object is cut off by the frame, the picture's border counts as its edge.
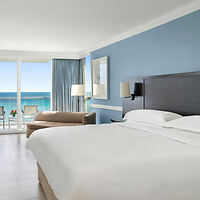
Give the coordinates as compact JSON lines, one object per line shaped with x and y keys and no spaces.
{"x":18,"y":170}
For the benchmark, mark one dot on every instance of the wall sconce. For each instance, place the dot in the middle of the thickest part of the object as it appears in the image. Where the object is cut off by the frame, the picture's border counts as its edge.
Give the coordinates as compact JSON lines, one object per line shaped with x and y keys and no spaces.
{"x":125,"y":90}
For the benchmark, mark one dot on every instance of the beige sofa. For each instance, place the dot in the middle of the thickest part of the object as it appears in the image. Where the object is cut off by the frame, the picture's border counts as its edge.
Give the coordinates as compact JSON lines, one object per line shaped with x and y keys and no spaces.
{"x":49,"y":119}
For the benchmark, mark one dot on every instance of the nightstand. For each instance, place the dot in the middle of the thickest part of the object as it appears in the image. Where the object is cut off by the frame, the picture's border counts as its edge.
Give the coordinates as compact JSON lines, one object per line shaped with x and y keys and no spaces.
{"x":117,"y":120}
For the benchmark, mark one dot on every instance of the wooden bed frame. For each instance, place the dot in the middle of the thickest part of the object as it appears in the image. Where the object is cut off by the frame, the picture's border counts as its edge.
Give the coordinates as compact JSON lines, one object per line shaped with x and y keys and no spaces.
{"x":45,"y":185}
{"x":179,"y":93}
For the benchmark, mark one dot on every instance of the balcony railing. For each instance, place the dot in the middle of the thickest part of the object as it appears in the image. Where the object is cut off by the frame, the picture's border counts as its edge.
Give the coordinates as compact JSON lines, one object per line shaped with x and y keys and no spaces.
{"x":10,"y":103}
{"x":24,"y":98}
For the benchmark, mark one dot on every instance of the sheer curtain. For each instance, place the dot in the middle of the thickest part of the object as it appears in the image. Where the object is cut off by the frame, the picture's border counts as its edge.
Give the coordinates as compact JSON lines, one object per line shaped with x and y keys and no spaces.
{"x":66,"y":72}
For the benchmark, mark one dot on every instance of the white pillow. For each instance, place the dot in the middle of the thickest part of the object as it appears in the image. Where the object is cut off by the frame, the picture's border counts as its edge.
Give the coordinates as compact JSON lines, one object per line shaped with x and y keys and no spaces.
{"x":189,"y":123}
{"x":151,"y":116}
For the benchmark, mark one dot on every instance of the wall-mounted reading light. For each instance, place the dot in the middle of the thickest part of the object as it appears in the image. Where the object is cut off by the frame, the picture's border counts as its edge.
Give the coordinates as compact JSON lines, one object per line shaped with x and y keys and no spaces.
{"x":125,"y":90}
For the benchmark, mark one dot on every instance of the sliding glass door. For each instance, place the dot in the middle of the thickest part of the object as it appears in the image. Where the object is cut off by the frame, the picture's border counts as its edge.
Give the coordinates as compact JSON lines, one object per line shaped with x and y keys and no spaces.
{"x":88,"y":87}
{"x":35,"y":89}
{"x":24,"y":91}
{"x":8,"y":95}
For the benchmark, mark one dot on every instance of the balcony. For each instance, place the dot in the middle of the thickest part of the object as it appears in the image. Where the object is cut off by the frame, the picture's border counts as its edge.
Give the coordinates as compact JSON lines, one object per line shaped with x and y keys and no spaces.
{"x":9,"y":102}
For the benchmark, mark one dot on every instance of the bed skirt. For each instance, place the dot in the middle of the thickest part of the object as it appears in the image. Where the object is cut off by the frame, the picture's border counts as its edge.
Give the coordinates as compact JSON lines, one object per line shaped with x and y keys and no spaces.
{"x":45,"y":185}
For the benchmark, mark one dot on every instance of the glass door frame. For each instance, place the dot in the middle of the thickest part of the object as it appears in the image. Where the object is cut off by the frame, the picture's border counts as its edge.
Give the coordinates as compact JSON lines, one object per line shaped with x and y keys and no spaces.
{"x":18,"y":91}
{"x":18,"y":61}
{"x":19,"y":113}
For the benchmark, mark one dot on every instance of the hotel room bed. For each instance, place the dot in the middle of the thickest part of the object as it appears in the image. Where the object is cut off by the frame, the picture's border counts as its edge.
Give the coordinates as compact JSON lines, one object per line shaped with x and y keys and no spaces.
{"x":132,"y":161}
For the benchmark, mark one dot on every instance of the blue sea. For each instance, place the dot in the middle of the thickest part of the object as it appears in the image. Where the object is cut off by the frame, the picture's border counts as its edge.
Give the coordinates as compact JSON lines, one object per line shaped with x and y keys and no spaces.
{"x":42,"y":99}
{"x":9,"y":101}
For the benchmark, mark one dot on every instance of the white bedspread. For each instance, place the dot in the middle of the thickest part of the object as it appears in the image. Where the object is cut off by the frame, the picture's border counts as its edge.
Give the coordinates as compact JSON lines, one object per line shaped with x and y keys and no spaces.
{"x":119,"y":162}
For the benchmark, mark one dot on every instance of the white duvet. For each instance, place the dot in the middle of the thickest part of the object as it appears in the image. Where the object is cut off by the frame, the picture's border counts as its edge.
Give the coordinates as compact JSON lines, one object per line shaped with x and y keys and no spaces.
{"x":119,"y":162}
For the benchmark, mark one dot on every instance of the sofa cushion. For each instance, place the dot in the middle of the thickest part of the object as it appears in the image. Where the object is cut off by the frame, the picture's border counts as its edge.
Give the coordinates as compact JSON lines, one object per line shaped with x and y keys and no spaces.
{"x":45,"y":124}
{"x":63,"y":117}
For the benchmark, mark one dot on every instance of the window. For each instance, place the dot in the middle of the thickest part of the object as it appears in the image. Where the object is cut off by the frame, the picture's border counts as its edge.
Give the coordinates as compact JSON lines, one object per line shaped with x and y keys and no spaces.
{"x":88,"y":81}
{"x":8,"y":93}
{"x":35,"y":85}
{"x":32,"y":91}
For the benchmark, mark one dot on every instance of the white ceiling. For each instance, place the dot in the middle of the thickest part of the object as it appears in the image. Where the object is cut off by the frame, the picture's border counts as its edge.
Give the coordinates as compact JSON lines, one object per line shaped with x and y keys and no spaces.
{"x":74,"y":26}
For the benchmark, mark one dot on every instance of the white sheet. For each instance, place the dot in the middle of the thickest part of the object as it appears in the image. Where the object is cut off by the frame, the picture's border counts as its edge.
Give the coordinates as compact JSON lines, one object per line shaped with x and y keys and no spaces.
{"x":119,"y":162}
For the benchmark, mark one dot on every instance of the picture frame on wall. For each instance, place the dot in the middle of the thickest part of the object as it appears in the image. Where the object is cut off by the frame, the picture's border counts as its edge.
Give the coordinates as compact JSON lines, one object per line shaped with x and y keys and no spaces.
{"x":100,"y":89}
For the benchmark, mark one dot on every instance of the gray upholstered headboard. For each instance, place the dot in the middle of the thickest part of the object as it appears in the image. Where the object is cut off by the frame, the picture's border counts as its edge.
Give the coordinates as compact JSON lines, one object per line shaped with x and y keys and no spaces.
{"x":178,"y":93}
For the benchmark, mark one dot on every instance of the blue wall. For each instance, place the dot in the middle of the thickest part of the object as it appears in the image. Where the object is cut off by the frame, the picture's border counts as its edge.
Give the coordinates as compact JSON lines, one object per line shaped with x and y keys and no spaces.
{"x":170,"y":48}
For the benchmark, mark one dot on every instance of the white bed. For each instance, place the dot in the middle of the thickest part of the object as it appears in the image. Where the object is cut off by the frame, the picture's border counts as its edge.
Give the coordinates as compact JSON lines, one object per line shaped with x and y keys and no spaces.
{"x":120,"y":161}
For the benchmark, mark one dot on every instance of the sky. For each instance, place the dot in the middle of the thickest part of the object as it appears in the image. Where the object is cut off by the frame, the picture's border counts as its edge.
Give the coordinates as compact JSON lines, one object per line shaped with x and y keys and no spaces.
{"x":35,"y":77}
{"x":88,"y":73}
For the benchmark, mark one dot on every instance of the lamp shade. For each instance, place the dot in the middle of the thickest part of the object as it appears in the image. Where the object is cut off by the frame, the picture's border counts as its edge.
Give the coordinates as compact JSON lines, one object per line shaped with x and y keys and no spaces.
{"x":124,"y":89}
{"x":78,"y":90}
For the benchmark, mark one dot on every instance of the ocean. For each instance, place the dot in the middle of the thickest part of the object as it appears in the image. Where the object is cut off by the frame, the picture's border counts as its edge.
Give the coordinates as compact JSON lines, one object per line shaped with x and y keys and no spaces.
{"x":42,"y":99}
{"x":9,"y":101}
